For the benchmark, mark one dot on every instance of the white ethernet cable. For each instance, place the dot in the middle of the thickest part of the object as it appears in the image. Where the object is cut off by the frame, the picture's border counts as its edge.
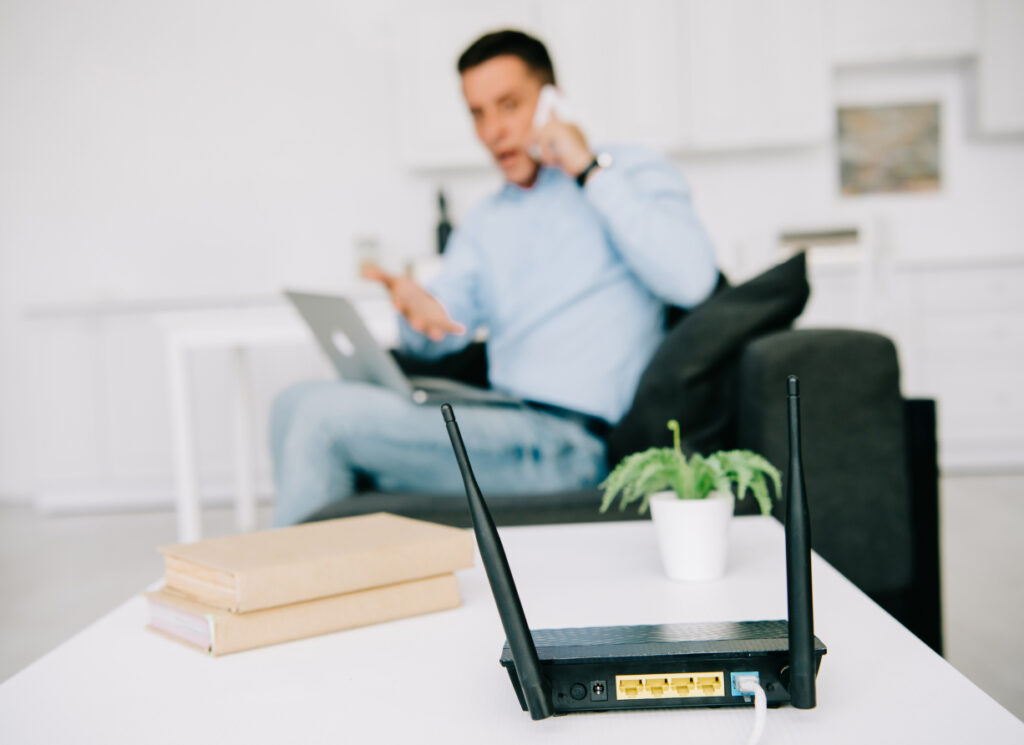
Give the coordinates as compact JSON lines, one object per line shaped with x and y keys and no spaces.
{"x":751,"y":685}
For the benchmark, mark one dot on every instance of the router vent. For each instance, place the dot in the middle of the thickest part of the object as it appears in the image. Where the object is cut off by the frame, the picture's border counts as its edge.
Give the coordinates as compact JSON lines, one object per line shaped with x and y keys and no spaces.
{"x":676,"y":632}
{"x":610,"y":642}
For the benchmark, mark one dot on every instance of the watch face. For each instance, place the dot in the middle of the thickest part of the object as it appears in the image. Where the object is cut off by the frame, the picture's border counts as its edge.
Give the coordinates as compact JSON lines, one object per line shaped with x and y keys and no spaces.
{"x":604,"y":160}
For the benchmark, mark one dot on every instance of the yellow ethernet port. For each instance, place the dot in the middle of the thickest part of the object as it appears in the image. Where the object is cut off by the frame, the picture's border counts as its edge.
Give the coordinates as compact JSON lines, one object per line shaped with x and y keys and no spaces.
{"x":671,"y":685}
{"x":683,"y":686}
{"x":628,"y":687}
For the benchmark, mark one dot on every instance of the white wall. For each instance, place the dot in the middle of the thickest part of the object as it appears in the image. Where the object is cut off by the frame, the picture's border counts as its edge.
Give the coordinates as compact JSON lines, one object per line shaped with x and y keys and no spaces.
{"x":188,"y":150}
{"x":196,"y":150}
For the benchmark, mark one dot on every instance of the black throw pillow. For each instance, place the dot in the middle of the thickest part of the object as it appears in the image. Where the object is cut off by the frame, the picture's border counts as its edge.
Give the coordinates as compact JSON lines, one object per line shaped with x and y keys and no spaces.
{"x":692,"y":375}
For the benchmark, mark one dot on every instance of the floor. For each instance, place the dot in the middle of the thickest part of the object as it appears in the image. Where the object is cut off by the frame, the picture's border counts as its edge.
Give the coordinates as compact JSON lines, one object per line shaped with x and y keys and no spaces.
{"x":59,"y":574}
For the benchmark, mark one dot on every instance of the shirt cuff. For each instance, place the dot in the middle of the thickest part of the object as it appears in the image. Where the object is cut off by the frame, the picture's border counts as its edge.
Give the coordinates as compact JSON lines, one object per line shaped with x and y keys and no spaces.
{"x":608,"y":189}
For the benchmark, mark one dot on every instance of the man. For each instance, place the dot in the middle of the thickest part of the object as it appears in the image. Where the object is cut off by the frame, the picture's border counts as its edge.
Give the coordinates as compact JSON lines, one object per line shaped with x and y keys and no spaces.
{"x":569,"y":266}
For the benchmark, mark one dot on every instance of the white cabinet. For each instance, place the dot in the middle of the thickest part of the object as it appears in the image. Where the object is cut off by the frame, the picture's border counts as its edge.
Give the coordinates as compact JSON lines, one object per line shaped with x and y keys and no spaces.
{"x":872,"y":32}
{"x":677,"y":75}
{"x":958,"y":325}
{"x":98,"y":426}
{"x":621,"y":65}
{"x":1001,"y":68}
{"x":878,"y":31}
{"x":618,"y":63}
{"x":100,"y":430}
{"x":757,"y":74}
{"x":960,"y":331}
{"x":437,"y":131}
{"x":848,"y":289}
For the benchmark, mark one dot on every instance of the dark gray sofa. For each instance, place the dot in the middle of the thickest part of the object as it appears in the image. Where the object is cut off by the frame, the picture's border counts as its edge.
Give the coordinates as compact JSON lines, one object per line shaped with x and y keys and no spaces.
{"x":870,"y":466}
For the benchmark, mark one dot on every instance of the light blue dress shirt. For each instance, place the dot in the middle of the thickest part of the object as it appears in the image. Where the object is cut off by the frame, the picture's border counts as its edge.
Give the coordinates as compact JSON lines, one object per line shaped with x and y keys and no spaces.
{"x":572,"y":283}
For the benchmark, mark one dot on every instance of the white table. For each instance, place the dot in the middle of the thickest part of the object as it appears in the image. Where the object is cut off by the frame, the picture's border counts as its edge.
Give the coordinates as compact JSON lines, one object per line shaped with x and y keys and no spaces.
{"x":437,"y":679}
{"x":236,"y":330}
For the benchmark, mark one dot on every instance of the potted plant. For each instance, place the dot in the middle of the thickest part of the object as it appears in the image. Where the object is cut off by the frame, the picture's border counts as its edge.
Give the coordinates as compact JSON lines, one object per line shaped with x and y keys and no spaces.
{"x":691,"y":500}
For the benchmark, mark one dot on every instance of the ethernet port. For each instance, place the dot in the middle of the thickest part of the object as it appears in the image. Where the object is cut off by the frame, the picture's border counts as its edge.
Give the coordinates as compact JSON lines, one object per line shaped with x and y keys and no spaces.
{"x":657,"y":687}
{"x":629,"y":687}
{"x":670,"y":685}
{"x":710,"y":685}
{"x":682,"y":686}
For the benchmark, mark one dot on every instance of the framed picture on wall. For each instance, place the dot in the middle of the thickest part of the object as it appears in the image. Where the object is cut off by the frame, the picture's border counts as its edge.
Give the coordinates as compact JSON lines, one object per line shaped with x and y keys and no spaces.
{"x":889,"y":148}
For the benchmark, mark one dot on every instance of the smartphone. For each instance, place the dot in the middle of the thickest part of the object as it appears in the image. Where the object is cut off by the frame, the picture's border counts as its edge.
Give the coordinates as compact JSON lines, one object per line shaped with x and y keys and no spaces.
{"x":551,"y":101}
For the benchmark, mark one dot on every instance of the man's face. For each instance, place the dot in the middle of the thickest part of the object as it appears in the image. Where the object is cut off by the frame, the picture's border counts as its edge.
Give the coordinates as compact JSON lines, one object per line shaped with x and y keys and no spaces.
{"x":502,"y":95}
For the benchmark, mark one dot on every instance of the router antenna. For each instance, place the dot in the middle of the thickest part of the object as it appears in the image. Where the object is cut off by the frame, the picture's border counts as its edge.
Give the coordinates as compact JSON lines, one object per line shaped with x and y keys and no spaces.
{"x":798,"y":566}
{"x":536,"y":688}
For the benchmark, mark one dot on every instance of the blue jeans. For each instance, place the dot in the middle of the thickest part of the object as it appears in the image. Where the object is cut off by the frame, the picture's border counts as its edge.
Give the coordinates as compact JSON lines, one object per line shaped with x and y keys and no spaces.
{"x":324,"y":432}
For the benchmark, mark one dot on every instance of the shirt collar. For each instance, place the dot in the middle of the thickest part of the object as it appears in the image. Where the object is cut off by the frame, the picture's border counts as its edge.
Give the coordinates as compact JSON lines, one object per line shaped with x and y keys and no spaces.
{"x":546,"y":175}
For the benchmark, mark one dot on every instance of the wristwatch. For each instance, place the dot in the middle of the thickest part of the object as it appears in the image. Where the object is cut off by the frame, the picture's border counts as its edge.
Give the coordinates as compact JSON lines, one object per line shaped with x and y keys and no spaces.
{"x":601,"y":160}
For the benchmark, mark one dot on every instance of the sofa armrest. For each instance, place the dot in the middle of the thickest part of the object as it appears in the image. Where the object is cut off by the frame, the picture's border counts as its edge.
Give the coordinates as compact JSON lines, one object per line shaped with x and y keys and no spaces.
{"x":922,"y":604}
{"x":870,"y":462}
{"x":854,"y":444}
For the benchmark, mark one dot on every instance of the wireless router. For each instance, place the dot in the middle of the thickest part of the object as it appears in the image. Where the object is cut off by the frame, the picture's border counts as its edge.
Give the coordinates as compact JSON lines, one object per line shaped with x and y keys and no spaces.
{"x":601,"y":668}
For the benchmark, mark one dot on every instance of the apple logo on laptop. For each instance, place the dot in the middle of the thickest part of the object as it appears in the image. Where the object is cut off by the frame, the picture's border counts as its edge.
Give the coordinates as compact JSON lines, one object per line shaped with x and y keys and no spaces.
{"x":342,"y":343}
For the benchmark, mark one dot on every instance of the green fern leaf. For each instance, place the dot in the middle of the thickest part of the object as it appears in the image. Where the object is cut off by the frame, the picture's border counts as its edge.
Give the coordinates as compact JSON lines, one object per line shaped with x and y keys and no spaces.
{"x":761,"y":463}
{"x":759,"y":488}
{"x":642,"y":474}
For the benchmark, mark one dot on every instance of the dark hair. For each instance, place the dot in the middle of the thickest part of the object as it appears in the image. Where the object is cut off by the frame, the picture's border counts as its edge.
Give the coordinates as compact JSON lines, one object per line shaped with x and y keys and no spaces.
{"x":525,"y":47}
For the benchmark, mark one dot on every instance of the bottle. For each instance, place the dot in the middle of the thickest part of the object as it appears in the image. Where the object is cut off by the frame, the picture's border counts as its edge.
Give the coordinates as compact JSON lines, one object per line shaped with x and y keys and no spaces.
{"x":444,"y":228}
{"x":367,"y":250}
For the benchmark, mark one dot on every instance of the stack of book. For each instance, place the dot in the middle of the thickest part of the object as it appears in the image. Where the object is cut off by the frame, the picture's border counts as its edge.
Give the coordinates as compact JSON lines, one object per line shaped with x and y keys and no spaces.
{"x":239,"y":592}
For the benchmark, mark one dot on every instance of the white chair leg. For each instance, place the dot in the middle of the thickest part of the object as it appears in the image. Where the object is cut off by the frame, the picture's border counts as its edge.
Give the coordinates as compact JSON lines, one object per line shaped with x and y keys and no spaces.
{"x":185,"y":478}
{"x":245,"y":497}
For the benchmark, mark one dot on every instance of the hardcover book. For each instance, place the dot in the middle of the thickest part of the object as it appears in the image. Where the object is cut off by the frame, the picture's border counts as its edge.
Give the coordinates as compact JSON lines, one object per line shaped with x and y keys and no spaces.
{"x":217,"y":631}
{"x":265,"y":569}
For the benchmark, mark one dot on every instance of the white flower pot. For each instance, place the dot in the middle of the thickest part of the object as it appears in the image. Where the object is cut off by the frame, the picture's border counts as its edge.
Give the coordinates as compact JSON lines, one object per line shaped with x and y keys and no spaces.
{"x":693,"y":534}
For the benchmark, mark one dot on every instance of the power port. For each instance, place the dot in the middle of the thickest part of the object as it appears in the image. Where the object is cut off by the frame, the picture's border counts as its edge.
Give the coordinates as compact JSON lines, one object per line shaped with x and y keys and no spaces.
{"x":598,"y":690}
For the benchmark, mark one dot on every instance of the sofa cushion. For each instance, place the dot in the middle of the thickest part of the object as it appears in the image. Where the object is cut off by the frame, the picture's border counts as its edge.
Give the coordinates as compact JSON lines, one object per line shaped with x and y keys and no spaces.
{"x":692,"y":375}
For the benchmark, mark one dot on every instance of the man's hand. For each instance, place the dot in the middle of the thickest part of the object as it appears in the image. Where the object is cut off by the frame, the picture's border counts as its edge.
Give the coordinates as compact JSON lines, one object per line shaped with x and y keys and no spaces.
{"x":562,"y":144}
{"x":420,"y":308}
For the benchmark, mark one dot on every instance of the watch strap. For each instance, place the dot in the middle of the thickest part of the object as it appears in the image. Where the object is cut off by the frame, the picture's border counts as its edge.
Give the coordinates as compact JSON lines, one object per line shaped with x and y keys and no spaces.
{"x":582,"y":178}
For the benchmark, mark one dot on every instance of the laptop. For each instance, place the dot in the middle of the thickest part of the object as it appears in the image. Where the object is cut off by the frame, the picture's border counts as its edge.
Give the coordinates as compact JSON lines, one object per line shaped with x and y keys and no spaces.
{"x":356,"y":355}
